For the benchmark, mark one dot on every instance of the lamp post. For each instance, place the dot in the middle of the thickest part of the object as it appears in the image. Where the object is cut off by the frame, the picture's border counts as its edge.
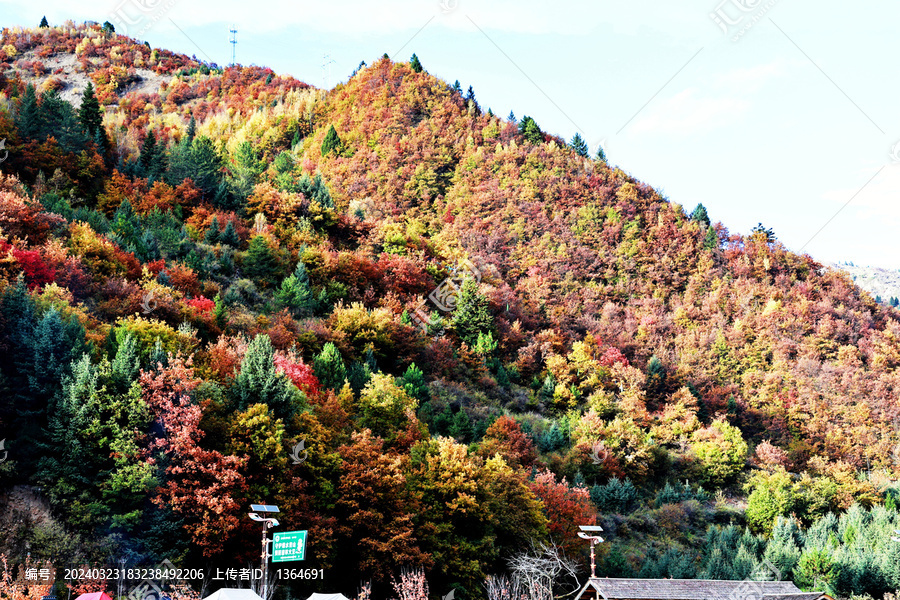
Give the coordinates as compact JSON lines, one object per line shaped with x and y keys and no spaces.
{"x":589,"y":532}
{"x":267,"y":522}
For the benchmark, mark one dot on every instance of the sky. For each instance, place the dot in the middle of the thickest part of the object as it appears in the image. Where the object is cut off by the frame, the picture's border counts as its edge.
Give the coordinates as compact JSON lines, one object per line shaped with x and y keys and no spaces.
{"x":780,"y":112}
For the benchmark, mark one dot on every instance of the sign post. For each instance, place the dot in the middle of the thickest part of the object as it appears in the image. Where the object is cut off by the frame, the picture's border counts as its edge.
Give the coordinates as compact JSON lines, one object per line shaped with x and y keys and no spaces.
{"x":288,"y":546}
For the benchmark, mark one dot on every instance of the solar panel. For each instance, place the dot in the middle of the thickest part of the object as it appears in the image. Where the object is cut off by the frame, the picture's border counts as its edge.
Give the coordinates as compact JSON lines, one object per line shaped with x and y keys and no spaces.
{"x":265,"y":508}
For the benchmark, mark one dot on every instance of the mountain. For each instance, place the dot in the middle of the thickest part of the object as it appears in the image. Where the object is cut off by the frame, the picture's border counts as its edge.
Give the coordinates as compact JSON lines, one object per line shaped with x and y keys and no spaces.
{"x":880,"y":283}
{"x":433,"y":337}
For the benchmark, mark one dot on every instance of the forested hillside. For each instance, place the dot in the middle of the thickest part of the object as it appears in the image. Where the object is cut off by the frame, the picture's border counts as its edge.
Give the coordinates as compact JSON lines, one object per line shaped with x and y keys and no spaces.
{"x":432,"y":336}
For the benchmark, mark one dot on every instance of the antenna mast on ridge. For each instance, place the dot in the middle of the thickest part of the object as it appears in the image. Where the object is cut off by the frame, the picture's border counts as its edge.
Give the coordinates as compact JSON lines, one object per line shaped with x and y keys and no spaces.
{"x":233,"y":41}
{"x":326,"y":64}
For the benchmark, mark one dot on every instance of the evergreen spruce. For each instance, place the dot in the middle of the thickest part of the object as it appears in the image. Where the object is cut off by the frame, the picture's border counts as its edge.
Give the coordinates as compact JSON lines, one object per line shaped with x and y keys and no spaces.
{"x":230,"y":236}
{"x":700,"y":216}
{"x":331,"y":143}
{"x":44,"y":22}
{"x":579,"y":145}
{"x":89,"y":114}
{"x":260,"y":263}
{"x":472,"y":315}
{"x":414,"y":64}
{"x":329,"y":367}
{"x":212,"y":234}
{"x":28,"y":117}
{"x":530,"y":130}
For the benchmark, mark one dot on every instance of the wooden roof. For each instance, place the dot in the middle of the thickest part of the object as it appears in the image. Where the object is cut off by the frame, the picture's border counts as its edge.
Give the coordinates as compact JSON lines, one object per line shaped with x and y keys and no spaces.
{"x":692,"y":589}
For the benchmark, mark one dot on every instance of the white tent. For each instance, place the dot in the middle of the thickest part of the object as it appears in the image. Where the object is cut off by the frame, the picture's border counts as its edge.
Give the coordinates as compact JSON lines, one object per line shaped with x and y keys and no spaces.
{"x":234,"y":594}
{"x":328,"y":597}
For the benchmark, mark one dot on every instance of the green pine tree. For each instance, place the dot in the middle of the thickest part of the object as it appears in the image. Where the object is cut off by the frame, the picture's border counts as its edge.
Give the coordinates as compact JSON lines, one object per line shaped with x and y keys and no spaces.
{"x":329,"y":367}
{"x":28,"y":118}
{"x":212,"y":234}
{"x":579,"y":145}
{"x":191,"y":130}
{"x":295,"y":293}
{"x":699,"y":215}
{"x":44,"y":22}
{"x":530,"y":130}
{"x":259,"y":381}
{"x":711,"y":239}
{"x":413,"y":381}
{"x":461,"y":427}
{"x":331,"y":143}
{"x":147,"y":156}
{"x":260,"y":262}
{"x":221,"y":311}
{"x":89,"y":114}
{"x":414,"y":64}
{"x":601,"y":154}
{"x":472,"y":315}
{"x":229,"y":236}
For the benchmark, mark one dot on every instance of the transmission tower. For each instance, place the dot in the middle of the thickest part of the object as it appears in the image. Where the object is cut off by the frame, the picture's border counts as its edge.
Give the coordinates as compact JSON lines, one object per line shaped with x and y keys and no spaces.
{"x":233,"y":42}
{"x":326,"y":64}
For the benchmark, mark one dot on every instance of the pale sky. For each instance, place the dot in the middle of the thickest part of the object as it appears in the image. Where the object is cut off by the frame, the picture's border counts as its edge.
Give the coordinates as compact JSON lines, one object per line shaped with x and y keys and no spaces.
{"x":794,"y":122}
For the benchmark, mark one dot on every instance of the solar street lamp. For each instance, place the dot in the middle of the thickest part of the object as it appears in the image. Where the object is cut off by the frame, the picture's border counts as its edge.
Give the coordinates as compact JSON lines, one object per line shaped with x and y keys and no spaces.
{"x":589,"y":532}
{"x":267,"y":522}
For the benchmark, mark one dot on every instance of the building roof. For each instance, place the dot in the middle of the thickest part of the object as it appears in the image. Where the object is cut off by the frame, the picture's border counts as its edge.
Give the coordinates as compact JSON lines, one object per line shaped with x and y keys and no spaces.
{"x":94,"y":596}
{"x":233,"y":594}
{"x":692,"y":589}
{"x":334,"y":597}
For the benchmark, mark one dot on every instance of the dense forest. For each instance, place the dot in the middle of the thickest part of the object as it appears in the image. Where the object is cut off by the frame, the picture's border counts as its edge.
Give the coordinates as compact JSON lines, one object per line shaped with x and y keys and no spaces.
{"x":437,"y":339}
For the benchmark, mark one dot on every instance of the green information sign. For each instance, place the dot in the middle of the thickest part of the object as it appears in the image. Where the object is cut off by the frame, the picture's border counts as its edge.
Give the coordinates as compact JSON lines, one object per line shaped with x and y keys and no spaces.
{"x":288,"y":545}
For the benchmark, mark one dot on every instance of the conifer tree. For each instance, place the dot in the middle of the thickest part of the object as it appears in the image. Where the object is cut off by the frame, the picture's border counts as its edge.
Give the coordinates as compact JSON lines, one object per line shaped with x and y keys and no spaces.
{"x":230,"y":236}
{"x":191,"y":130}
{"x":699,"y":215}
{"x":461,"y":427}
{"x":148,"y":152}
{"x":28,"y":117}
{"x":332,"y":142}
{"x":44,"y":22}
{"x":601,"y":154}
{"x":89,"y":114}
{"x":457,"y":87}
{"x":711,"y":239}
{"x":414,"y":64}
{"x":260,"y":263}
{"x":295,"y":292}
{"x":530,"y":130}
{"x":212,"y":234}
{"x":58,"y":119}
{"x":512,"y":117}
{"x":259,"y":381}
{"x":472,"y":315}
{"x":579,"y":145}
{"x":413,"y":381}
{"x":329,"y":367}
